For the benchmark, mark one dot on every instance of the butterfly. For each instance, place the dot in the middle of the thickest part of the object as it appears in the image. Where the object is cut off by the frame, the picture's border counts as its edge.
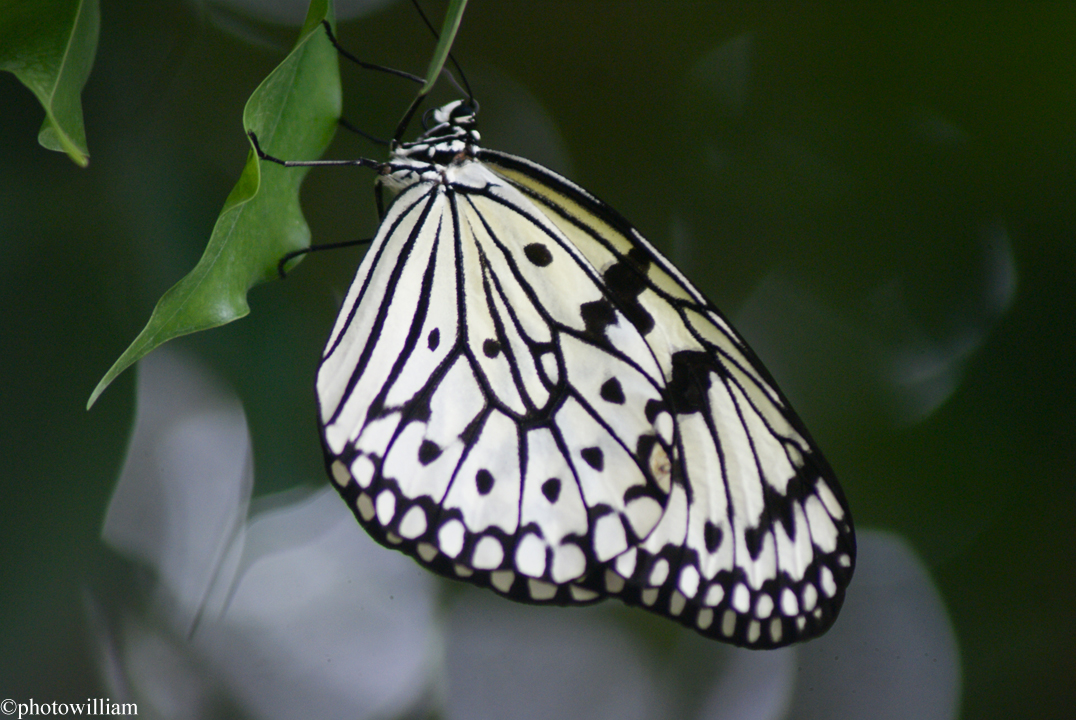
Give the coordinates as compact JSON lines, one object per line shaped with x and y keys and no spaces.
{"x":521,"y":392}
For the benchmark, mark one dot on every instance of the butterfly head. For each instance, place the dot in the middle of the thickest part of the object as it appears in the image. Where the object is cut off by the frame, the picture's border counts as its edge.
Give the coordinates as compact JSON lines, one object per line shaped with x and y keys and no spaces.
{"x":451,"y":139}
{"x":453,"y":132}
{"x":456,"y":114}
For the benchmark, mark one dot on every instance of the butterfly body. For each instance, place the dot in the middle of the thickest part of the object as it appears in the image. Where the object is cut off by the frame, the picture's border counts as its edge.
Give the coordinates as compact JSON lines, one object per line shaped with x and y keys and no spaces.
{"x":521,"y":392}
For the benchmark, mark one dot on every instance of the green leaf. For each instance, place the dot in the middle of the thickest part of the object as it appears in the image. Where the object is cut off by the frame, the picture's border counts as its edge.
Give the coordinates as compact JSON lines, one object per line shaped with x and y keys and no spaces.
{"x":49,"y":45}
{"x":453,"y":16}
{"x":294,"y":113}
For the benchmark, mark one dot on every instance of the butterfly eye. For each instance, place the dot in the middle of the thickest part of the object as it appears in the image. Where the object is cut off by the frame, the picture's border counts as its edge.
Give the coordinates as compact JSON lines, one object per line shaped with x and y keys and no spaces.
{"x":463,"y":112}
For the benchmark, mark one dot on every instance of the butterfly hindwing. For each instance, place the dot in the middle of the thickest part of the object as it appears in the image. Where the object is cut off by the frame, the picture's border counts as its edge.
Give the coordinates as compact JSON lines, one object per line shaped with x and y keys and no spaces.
{"x":756,"y":544}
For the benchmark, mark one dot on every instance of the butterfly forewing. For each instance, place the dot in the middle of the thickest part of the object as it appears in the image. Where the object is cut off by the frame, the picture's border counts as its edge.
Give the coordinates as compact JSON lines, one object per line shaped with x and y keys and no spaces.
{"x":451,"y":404}
{"x":522,"y":392}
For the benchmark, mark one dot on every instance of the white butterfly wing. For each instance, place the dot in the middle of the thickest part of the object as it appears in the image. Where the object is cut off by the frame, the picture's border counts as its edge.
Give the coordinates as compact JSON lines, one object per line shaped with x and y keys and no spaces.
{"x":474,"y":411}
{"x":521,"y":391}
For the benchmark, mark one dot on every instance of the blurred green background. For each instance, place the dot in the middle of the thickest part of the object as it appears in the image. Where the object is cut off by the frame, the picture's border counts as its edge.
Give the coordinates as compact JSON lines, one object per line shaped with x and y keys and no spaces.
{"x":900,"y":181}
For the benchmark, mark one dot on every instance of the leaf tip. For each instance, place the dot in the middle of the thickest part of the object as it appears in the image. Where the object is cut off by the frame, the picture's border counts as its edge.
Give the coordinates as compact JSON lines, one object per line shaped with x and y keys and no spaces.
{"x":104,"y":383}
{"x":52,"y":138}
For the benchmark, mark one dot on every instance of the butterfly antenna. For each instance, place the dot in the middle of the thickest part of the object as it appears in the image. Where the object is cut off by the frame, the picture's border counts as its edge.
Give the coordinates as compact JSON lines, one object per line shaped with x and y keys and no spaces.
{"x":465,"y":91}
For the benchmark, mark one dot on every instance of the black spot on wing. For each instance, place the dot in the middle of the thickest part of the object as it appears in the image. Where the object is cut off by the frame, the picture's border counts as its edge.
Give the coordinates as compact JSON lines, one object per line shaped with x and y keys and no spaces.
{"x":597,"y":315}
{"x":551,"y":489}
{"x":538,"y":254}
{"x":612,"y":392}
{"x":626,"y":280}
{"x":434,"y":339}
{"x":690,"y":383}
{"x":483,"y":480}
{"x":428,"y":452}
{"x":594,"y":457}
{"x":490,"y":348}
{"x":653,"y":409}
{"x":713,"y":536}
{"x":753,"y":538}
